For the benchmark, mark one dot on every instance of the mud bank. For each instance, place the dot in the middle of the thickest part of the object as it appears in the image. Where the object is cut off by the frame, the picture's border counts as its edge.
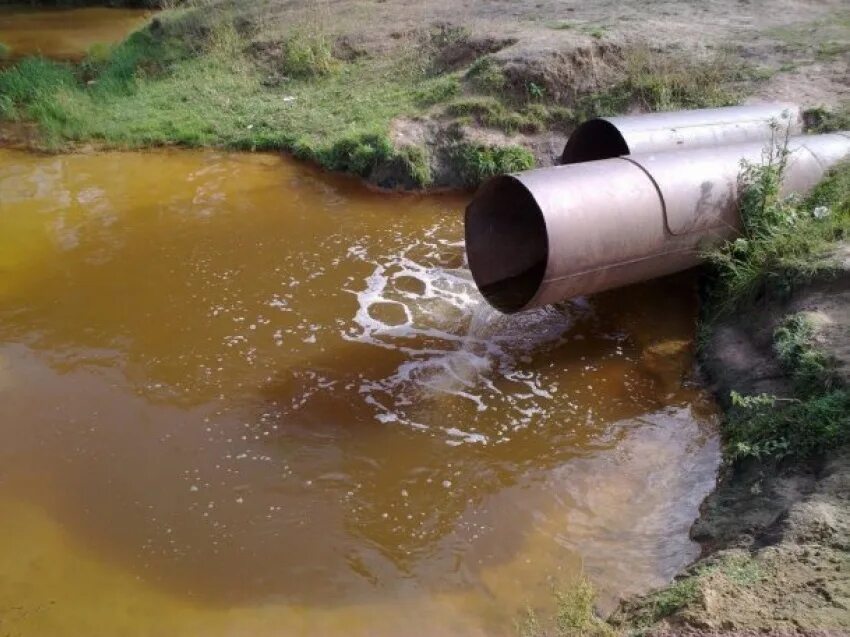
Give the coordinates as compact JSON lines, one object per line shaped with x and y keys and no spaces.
{"x":776,"y":533}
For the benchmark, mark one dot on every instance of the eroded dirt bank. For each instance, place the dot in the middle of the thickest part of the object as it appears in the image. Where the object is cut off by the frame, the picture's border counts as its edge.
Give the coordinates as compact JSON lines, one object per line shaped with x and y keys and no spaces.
{"x":775,"y":533}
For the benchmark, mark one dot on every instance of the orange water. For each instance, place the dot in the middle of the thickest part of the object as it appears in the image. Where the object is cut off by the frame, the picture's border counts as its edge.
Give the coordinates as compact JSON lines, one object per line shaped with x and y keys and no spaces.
{"x":65,"y":33}
{"x":242,"y":397}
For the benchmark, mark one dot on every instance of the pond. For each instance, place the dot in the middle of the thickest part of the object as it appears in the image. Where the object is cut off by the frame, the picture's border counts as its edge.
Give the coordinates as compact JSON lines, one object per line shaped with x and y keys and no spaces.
{"x":65,"y":33}
{"x":239,"y":394}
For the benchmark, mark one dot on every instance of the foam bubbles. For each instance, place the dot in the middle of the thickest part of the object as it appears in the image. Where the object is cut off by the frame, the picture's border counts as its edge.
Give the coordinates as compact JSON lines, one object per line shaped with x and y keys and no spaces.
{"x":460,"y":357}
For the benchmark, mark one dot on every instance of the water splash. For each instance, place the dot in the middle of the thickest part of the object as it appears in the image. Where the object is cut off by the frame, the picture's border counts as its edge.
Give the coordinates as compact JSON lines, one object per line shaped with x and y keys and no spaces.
{"x":459,"y":355}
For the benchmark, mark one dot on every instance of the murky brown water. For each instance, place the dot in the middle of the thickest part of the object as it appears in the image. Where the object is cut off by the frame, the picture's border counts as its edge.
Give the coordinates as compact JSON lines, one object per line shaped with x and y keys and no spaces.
{"x":237,"y":395}
{"x":65,"y":33}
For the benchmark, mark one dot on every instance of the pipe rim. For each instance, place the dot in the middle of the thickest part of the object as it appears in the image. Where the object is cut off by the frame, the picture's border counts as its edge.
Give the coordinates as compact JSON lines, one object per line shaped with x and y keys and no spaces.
{"x":507,"y":243}
{"x":594,"y":139}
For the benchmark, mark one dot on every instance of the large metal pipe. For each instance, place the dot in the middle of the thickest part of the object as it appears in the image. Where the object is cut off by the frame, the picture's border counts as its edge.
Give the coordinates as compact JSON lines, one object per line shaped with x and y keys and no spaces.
{"x":607,"y":137}
{"x":546,"y":235}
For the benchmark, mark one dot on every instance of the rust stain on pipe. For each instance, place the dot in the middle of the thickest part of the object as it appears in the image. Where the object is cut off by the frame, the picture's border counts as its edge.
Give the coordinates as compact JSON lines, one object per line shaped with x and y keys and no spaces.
{"x":546,"y":235}
{"x":607,"y":137}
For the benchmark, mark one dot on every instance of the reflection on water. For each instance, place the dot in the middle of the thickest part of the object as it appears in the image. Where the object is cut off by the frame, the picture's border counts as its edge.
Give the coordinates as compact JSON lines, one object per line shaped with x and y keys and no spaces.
{"x":244,"y":393}
{"x":65,"y":33}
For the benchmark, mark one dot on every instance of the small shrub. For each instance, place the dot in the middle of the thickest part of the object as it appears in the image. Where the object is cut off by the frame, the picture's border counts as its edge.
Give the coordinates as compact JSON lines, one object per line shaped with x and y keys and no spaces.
{"x":477,"y":162}
{"x":308,"y":54}
{"x":810,"y":369}
{"x":358,"y":154}
{"x":574,"y":615}
{"x":438,"y":90}
{"x":785,"y":240}
{"x":822,"y":120}
{"x":767,"y":427}
{"x":418,"y":164}
{"x":486,"y":76}
{"x":5,"y":51}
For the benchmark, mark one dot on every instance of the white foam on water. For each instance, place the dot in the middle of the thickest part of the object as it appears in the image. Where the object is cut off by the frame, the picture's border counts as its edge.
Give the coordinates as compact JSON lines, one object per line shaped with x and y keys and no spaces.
{"x":461,"y":357}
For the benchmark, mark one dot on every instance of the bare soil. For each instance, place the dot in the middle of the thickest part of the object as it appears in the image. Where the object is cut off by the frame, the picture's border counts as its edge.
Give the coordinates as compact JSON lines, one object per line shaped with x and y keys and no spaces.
{"x":786,"y":525}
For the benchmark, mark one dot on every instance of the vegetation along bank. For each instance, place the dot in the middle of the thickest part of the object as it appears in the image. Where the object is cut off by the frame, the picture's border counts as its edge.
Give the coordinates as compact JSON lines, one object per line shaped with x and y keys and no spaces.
{"x":451,"y":103}
{"x":408,"y":101}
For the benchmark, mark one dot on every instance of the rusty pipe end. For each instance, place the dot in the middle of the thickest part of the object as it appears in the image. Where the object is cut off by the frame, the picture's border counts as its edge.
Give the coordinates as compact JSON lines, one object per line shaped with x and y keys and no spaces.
{"x":507,"y":246}
{"x":594,"y":139}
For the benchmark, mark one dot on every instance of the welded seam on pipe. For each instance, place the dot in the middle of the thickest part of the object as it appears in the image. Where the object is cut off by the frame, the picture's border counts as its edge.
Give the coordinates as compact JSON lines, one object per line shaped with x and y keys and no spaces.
{"x":657,"y":190}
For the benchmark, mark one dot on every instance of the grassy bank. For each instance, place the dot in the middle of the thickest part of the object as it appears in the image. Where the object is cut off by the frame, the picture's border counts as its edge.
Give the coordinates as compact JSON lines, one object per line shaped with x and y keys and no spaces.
{"x":787,"y":243}
{"x":206,"y":76}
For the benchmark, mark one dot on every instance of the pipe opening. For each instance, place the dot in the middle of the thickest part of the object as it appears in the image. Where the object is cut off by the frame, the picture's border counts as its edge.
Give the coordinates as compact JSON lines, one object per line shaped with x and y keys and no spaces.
{"x":506,"y":243}
{"x":595,"y":139}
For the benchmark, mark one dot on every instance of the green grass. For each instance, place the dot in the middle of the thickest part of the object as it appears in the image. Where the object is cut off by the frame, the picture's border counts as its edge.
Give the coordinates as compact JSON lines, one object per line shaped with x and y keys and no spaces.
{"x":490,"y":112}
{"x":157,"y":89}
{"x":574,"y":615}
{"x":648,"y":610}
{"x":785,"y":240}
{"x":823,"y":120}
{"x":808,"y":367}
{"x":640,"y":614}
{"x":651,"y":82}
{"x":478,"y":162}
{"x":765,"y":427}
{"x":308,"y":54}
{"x":192,"y":81}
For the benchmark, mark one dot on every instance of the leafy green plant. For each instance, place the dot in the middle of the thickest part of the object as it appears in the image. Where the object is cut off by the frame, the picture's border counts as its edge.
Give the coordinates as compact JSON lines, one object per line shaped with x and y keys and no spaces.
{"x":768,"y":427}
{"x":478,"y":162}
{"x":535,"y":91}
{"x":784,"y":239}
{"x":810,"y":369}
{"x":5,"y":51}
